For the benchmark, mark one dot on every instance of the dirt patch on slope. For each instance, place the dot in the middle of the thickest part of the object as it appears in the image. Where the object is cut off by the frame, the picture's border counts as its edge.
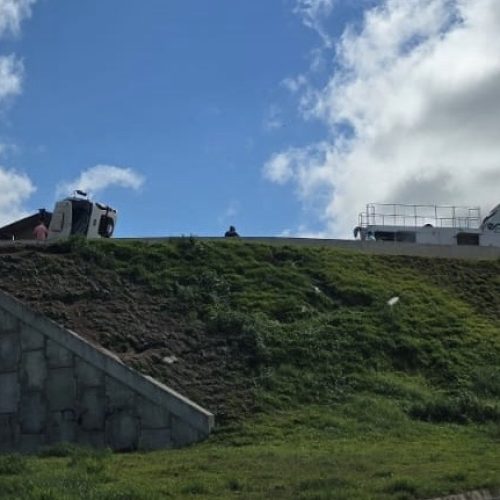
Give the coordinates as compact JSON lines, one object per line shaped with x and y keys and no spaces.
{"x":134,"y":323}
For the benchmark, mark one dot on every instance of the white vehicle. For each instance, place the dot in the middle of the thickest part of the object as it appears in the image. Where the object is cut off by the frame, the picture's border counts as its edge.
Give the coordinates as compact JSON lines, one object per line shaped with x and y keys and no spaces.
{"x":429,"y":225}
{"x":77,"y":215}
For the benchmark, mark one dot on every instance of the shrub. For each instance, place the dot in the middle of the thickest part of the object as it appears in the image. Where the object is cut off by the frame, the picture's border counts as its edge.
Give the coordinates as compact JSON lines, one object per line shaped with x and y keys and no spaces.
{"x":246,"y":331}
{"x":486,"y":381}
{"x":13,"y":464}
{"x":59,"y":450}
{"x":405,"y":486}
{"x":195,"y":488}
{"x":460,"y":409}
{"x":234,"y":485}
{"x":90,"y":461}
{"x":189,"y":247}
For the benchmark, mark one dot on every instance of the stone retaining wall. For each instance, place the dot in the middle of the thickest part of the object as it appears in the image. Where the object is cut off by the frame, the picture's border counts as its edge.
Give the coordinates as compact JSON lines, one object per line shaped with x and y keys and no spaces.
{"x":57,"y":387}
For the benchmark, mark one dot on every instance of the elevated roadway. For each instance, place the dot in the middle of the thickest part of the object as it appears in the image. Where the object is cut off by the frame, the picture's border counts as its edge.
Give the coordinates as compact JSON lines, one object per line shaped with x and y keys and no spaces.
{"x":370,"y":247}
{"x":373,"y":247}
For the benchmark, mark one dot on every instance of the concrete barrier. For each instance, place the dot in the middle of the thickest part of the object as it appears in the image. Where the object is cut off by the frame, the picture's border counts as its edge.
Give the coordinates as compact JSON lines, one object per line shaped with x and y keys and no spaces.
{"x":473,"y":495}
{"x":370,"y":247}
{"x":56,"y":387}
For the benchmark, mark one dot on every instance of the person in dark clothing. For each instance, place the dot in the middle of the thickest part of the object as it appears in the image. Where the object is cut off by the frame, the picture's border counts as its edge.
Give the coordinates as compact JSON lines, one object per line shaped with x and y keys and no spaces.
{"x":231,"y":233}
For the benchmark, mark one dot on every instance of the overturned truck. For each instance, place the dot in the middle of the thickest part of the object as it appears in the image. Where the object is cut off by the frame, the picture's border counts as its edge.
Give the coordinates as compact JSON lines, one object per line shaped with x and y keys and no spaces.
{"x":75,"y":215}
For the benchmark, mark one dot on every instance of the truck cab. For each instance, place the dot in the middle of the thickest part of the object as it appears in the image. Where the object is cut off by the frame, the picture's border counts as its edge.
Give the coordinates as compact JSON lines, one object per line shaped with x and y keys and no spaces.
{"x":492,"y":221}
{"x":77,"y":215}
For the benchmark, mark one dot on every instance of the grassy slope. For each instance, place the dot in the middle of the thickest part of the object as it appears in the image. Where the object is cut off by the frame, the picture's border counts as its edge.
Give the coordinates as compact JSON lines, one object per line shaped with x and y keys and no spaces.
{"x":351,"y":399}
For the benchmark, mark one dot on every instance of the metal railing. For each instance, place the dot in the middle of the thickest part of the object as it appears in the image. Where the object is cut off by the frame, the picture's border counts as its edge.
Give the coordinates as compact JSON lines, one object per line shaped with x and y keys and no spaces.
{"x":395,"y":214}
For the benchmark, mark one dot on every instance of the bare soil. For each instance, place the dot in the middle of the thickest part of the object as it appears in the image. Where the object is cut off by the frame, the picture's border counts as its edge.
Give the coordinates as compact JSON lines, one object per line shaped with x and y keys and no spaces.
{"x":134,"y":323}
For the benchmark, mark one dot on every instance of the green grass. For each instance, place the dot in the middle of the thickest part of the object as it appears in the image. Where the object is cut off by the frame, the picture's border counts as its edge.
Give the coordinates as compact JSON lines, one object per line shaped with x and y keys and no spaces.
{"x":313,"y":453}
{"x":352,"y":399}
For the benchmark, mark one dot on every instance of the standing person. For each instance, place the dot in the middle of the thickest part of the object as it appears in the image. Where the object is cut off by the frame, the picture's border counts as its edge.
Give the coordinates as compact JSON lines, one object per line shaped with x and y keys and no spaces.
{"x":231,"y":233}
{"x":40,"y":232}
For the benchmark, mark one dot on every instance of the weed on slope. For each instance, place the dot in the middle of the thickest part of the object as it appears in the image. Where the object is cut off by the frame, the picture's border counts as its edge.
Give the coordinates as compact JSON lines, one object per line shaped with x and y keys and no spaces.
{"x":321,"y":389}
{"x":246,"y":327}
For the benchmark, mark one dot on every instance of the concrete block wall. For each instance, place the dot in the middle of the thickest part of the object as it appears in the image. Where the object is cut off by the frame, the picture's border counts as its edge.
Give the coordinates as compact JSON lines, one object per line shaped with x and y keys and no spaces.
{"x":57,"y":387}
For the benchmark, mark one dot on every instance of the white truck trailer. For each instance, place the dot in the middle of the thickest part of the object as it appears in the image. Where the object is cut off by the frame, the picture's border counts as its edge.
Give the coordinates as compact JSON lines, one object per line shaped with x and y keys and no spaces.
{"x":429,"y":225}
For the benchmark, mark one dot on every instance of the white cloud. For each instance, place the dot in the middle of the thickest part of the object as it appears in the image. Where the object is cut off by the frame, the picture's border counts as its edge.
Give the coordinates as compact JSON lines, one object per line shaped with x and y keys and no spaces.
{"x":11,"y":77}
{"x":15,"y":190}
{"x":301,"y":164}
{"x":96,"y":179}
{"x":8,"y":149}
{"x":413,"y":112}
{"x":273,"y":119}
{"x":15,"y":187}
{"x":303,"y":232}
{"x":230,"y":212}
{"x":280,"y":167}
{"x":12,"y":13}
{"x":313,"y":13}
{"x":293,"y":85}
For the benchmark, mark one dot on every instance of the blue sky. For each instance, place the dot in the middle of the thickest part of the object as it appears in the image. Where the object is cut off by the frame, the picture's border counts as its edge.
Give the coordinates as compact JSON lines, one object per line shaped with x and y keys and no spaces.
{"x":277,"y":116}
{"x":187,"y":93}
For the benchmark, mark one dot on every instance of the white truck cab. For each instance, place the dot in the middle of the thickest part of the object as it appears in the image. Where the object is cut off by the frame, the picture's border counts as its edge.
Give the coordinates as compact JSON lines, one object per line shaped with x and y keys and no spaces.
{"x":77,"y":215}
